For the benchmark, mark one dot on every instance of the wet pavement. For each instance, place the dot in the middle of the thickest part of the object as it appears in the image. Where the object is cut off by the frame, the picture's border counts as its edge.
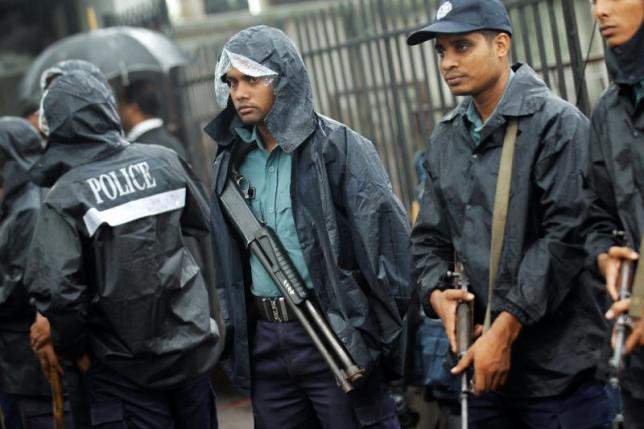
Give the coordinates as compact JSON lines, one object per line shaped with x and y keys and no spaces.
{"x":233,"y":410}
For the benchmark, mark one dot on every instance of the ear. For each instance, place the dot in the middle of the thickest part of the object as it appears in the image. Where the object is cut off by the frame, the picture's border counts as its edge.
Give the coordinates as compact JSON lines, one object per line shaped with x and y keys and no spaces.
{"x":502,"y":44}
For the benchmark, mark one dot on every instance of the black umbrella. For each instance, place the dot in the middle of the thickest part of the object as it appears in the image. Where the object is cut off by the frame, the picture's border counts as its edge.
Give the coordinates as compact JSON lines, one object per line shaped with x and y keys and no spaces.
{"x":117,"y":51}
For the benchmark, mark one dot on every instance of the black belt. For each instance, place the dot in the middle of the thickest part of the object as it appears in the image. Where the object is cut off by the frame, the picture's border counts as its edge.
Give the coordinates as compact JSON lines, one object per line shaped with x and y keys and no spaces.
{"x":273,"y":310}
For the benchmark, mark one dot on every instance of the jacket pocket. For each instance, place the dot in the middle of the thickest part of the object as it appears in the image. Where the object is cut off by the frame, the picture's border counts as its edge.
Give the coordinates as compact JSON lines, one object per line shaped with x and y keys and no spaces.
{"x":108,"y":415}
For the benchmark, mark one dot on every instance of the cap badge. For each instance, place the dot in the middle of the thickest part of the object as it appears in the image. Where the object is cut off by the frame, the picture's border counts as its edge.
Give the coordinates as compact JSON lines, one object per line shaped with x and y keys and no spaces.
{"x":444,"y":10}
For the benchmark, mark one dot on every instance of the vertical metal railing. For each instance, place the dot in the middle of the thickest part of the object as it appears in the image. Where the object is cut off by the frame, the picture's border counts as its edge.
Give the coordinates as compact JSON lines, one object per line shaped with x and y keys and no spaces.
{"x":365,"y":75}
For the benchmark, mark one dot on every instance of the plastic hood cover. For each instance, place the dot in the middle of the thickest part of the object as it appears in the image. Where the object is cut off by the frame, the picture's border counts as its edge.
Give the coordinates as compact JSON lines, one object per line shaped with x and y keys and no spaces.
{"x":245,"y":65}
{"x":292,"y":119}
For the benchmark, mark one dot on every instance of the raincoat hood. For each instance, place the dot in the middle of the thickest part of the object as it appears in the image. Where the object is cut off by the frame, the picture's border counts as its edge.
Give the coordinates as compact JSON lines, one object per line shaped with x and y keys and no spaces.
{"x":292,"y":119}
{"x":83,"y":124}
{"x":20,"y":148}
{"x":68,"y":66}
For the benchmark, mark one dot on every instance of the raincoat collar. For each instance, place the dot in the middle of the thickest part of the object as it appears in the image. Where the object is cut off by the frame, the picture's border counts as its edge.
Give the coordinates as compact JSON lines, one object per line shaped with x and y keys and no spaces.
{"x":625,"y":63}
{"x":524,"y":95}
{"x":292,"y":119}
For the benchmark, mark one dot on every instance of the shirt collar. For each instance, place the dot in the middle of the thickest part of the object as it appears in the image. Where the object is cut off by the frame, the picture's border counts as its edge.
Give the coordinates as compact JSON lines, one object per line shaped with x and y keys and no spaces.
{"x":639,"y":92}
{"x":143,"y":127}
{"x":472,"y":114}
{"x":251,"y":137}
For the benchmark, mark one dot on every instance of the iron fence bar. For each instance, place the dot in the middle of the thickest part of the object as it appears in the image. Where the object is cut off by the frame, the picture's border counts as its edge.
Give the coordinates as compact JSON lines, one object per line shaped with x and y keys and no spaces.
{"x":576,"y":58}
{"x":313,"y":68}
{"x":347,"y":76}
{"x":423,"y":62}
{"x":398,"y":138}
{"x":526,"y":38}
{"x":558,"y":59}
{"x":414,"y":76}
{"x":328,"y":68}
{"x":540,"y":44}
{"x":361,"y":96}
{"x":436,"y":64}
{"x":385,"y":126}
{"x":413,"y":137}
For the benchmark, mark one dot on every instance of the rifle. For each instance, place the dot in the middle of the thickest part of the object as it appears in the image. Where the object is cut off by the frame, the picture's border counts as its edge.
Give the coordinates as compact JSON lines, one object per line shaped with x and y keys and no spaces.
{"x":265,"y":245}
{"x":464,"y":331}
{"x":622,"y":323}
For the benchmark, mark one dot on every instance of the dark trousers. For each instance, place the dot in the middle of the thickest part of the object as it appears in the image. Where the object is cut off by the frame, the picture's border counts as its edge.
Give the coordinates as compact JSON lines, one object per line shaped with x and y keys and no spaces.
{"x":294,"y":388}
{"x":633,"y":411}
{"x":117,"y":403}
{"x":585,"y":407}
{"x":77,"y":391}
{"x":10,"y":411}
{"x":30,"y":412}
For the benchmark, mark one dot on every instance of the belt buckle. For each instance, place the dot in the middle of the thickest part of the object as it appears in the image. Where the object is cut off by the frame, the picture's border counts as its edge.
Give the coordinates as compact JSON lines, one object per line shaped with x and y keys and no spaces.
{"x":275,"y":311}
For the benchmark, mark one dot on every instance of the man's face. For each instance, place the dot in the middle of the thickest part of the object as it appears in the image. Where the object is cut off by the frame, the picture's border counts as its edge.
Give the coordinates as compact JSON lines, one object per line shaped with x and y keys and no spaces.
{"x":469,"y":63}
{"x":252,"y":97}
{"x":618,"y":20}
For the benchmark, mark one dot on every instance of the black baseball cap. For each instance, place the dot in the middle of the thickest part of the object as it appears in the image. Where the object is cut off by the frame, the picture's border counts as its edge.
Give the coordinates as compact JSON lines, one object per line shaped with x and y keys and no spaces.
{"x":465,"y":16}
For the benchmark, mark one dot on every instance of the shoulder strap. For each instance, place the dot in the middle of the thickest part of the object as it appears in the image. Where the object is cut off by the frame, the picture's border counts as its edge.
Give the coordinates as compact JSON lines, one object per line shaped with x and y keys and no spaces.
{"x":500,"y":213}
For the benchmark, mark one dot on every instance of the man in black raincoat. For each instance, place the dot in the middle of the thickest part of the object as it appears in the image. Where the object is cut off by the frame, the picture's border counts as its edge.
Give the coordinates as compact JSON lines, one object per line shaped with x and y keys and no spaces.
{"x":535,"y":365}
{"x":323,"y":190}
{"x":20,"y":372}
{"x":108,"y":266}
{"x":615,"y":180}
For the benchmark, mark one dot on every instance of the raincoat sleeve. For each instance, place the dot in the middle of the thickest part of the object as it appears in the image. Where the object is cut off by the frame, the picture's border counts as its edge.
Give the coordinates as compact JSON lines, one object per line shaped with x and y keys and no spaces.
{"x":550,"y":266}
{"x":196,"y":215}
{"x":432,"y":250}
{"x":18,"y":241}
{"x":603,"y":217}
{"x":55,"y":281}
{"x":379,"y":225}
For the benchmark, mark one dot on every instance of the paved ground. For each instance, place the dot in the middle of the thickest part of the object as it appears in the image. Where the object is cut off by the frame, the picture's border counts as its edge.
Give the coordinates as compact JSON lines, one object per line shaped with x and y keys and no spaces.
{"x":233,"y":410}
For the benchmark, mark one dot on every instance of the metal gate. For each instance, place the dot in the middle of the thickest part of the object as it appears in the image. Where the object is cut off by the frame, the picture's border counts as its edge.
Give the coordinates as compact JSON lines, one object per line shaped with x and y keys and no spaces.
{"x":365,"y":75}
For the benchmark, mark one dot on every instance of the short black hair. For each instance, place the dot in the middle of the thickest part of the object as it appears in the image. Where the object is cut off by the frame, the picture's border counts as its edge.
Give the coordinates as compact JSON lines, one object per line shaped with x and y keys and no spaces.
{"x":146,"y":95}
{"x":490,"y":35}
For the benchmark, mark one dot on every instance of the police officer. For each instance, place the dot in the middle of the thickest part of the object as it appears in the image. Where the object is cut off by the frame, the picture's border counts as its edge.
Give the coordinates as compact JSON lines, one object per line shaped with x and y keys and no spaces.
{"x":21,"y":380}
{"x":321,"y":187}
{"x":616,"y":179}
{"x":109,"y":269}
{"x":534,"y":366}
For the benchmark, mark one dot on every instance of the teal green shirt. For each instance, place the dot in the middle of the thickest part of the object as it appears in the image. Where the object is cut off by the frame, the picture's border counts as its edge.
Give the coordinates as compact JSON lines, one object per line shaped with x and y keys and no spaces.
{"x":270,"y":175}
{"x":639,"y":92}
{"x":472,"y":115}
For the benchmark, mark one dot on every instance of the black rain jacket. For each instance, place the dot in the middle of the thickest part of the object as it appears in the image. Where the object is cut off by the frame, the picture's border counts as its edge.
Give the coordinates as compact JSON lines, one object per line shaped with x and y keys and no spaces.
{"x":353,"y":231}
{"x":20,"y":147}
{"x":542,"y":256}
{"x":109,"y":268}
{"x":615,"y":175}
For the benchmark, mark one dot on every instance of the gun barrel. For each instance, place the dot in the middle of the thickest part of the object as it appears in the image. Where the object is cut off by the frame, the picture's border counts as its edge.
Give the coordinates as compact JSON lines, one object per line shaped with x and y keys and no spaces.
{"x":463,"y":398}
{"x":464,"y":336}
{"x":621,"y":325}
{"x":265,"y":245}
{"x":353,"y":372}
